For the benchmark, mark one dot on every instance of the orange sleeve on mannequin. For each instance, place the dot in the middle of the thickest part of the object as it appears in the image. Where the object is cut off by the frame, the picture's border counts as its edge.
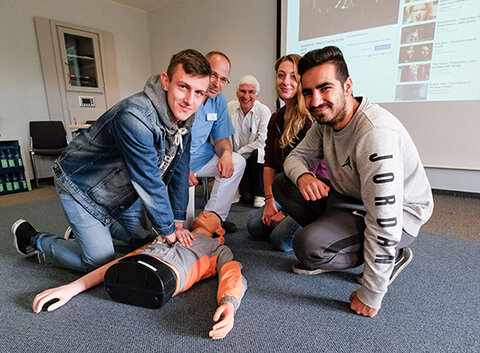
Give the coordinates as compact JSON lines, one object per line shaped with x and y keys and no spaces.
{"x":230,"y":282}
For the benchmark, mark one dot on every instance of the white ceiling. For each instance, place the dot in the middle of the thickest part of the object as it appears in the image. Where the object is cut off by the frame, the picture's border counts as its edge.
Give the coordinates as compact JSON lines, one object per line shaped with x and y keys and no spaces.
{"x":145,"y":5}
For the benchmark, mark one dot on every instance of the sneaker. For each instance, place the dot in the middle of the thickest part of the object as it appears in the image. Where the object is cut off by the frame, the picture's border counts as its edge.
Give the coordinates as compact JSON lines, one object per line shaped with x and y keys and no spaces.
{"x":229,"y":227}
{"x":258,"y":201}
{"x":405,"y":257}
{"x":22,"y":233}
{"x":300,"y":269}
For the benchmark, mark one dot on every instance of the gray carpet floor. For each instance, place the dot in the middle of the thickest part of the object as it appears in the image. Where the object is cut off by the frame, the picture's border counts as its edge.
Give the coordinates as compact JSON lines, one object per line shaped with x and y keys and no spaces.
{"x":431,"y":307}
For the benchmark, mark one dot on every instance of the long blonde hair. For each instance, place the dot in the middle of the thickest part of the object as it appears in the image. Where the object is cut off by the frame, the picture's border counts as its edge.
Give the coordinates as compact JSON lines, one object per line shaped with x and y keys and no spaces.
{"x":299,"y":112}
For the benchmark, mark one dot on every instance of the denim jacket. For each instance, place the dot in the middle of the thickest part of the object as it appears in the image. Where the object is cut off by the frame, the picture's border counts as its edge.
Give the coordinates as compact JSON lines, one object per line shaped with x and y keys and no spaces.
{"x":117,"y":160}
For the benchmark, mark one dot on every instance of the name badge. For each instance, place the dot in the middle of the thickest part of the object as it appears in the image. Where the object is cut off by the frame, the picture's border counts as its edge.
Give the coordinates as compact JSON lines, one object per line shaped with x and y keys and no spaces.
{"x":212,"y":117}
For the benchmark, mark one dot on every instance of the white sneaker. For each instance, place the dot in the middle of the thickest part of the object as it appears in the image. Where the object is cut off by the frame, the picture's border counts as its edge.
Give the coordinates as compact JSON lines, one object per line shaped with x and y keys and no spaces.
{"x":258,"y":201}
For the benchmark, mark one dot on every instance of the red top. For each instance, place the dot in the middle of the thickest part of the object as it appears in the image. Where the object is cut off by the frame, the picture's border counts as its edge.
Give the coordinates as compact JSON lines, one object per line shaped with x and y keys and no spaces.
{"x":274,"y":155}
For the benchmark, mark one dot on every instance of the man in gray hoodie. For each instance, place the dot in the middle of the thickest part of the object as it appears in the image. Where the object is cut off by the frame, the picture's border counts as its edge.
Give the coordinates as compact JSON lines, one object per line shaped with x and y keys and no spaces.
{"x":127,"y":175}
{"x":378,"y":195}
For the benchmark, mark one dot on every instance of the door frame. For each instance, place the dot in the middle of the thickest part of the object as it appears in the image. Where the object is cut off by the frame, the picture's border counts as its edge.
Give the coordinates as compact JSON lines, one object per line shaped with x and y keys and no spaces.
{"x":52,"y":66}
{"x":61,"y":31}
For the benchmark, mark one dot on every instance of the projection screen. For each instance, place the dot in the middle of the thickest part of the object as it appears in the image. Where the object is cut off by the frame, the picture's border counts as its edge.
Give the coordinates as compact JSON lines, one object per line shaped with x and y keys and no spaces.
{"x":418,"y":59}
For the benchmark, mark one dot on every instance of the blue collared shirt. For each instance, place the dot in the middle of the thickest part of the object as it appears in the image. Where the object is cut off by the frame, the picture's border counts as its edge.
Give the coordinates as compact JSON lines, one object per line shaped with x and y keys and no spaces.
{"x":210,"y":119}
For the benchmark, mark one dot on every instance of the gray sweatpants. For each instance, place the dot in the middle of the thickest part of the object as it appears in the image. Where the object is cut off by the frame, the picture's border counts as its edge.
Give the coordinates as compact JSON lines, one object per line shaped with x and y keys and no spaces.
{"x":333,"y":228}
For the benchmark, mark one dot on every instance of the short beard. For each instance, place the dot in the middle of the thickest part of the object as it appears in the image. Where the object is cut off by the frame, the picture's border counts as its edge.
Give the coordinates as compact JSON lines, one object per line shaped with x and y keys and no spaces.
{"x":337,"y":118}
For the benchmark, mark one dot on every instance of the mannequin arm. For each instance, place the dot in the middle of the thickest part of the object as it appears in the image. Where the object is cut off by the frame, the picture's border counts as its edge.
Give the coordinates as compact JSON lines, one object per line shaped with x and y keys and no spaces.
{"x":59,"y":296}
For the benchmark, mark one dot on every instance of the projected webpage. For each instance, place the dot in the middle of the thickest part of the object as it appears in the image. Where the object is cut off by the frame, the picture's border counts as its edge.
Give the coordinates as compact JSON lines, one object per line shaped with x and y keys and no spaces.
{"x":396,"y":50}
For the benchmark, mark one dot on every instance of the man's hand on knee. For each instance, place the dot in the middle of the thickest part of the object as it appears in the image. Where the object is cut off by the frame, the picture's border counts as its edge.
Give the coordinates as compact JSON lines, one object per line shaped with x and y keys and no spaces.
{"x":223,"y":149}
{"x":225,"y":166}
{"x":360,"y":308}
{"x":311,"y":188}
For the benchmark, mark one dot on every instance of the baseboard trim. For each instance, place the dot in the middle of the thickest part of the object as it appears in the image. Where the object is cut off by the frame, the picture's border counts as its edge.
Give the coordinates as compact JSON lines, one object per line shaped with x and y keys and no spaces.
{"x":473,"y":195}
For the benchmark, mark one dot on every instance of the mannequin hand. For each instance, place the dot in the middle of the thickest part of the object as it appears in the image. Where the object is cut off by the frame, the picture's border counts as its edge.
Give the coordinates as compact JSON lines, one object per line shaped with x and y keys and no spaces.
{"x":311,"y":188}
{"x":63,"y":294}
{"x":360,"y":308}
{"x":226,"y":312}
{"x":192,"y":179}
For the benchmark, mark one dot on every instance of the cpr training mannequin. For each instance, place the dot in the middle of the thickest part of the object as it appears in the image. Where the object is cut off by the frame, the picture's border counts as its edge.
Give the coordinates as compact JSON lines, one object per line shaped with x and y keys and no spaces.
{"x":177,"y":268}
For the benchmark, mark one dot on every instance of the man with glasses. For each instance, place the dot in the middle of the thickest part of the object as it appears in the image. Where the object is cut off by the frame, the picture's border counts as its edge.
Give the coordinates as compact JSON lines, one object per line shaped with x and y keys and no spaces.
{"x":215,"y":159}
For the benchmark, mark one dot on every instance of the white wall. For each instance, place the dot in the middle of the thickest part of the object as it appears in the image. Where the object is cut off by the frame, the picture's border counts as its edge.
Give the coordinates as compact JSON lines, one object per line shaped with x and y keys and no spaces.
{"x":244,"y":30}
{"x":22,"y":93}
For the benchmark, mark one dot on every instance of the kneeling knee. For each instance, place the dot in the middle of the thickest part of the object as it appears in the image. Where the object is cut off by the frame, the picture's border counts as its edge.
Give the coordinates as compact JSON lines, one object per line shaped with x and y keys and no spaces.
{"x":282,"y":243}
{"x":239,"y":162}
{"x":255,"y":228}
{"x":308,"y":244}
{"x":91,"y":263}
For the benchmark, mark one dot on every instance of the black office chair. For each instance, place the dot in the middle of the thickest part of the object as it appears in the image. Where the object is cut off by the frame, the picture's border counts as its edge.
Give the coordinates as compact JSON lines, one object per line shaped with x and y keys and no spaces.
{"x":48,"y":138}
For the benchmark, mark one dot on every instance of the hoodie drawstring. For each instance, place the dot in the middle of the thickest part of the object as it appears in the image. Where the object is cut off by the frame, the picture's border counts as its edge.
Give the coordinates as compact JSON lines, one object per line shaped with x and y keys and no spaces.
{"x":178,"y":137}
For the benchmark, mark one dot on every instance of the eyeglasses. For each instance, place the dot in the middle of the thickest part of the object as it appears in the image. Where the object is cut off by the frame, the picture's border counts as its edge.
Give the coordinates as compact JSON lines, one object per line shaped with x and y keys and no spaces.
{"x":223,"y":80}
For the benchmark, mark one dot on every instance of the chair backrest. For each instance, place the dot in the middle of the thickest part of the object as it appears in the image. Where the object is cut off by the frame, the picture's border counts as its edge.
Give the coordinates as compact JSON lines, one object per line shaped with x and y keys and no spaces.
{"x":48,"y":134}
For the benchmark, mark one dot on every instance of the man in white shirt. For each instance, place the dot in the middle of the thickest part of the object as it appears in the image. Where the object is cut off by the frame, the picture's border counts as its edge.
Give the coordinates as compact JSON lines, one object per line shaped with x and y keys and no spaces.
{"x":250,"y":120}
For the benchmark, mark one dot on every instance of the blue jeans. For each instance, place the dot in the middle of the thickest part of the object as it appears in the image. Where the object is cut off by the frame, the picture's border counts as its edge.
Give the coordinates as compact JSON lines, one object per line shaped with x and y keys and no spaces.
{"x":93,"y":245}
{"x":281,"y":236}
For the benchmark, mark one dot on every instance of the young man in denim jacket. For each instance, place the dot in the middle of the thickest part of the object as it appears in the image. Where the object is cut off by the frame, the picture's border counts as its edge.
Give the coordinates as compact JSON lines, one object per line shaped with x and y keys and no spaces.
{"x":126,"y":176}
